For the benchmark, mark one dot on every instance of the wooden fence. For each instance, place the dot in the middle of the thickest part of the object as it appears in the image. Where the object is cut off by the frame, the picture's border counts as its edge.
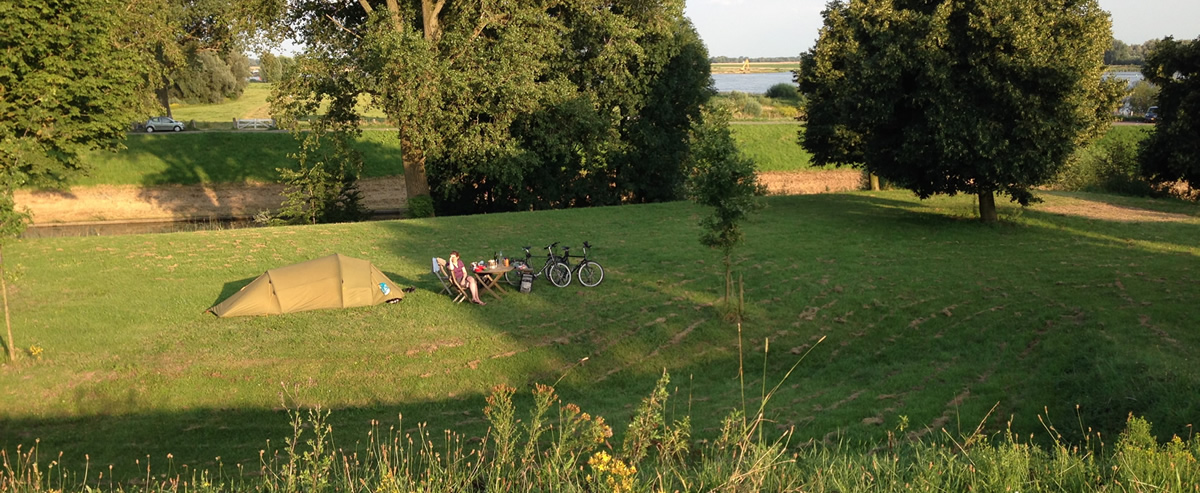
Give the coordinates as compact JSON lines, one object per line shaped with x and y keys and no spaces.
{"x":254,"y":124}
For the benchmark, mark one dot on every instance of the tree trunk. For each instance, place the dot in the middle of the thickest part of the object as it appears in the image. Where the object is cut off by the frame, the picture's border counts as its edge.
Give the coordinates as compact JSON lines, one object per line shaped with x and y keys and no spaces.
{"x":874,"y":182}
{"x":728,"y":280}
{"x":987,"y":207}
{"x":12,"y":347}
{"x":430,"y":10}
{"x":416,"y":183}
{"x":164,"y":98}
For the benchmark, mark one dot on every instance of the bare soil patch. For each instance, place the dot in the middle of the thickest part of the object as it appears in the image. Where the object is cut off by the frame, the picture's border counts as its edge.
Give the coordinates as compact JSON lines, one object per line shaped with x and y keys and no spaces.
{"x":1108,"y":212}
{"x":127,"y":203}
{"x":808,"y":182}
{"x":178,"y":202}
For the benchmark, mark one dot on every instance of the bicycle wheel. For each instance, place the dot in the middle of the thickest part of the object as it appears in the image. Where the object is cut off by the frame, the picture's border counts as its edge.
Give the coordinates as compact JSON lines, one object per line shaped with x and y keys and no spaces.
{"x":513,"y":277}
{"x":590,"y":274}
{"x":560,"y":275}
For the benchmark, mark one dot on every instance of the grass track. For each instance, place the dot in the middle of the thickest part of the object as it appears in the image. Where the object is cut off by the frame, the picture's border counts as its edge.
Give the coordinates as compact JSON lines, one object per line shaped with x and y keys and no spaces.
{"x":927,"y":315}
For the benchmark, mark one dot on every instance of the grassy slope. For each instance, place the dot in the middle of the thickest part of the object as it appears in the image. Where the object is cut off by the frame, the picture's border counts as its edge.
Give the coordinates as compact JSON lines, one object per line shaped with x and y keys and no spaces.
{"x":252,"y":104}
{"x":215,"y":157}
{"x":221,"y":157}
{"x":772,"y":146}
{"x":928,"y":315}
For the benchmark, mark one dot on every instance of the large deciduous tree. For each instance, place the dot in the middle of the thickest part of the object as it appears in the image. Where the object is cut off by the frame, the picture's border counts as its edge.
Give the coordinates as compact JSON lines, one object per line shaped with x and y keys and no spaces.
{"x":611,"y":126}
{"x":73,"y":75}
{"x":202,"y":54}
{"x":505,"y":105}
{"x":1172,"y":151}
{"x":442,"y":72}
{"x":949,"y":96}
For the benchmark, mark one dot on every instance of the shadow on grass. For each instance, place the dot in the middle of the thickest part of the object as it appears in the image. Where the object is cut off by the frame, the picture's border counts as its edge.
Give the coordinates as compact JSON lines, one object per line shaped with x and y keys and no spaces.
{"x":928,"y":316}
{"x":231,"y":288}
{"x":164,"y":162}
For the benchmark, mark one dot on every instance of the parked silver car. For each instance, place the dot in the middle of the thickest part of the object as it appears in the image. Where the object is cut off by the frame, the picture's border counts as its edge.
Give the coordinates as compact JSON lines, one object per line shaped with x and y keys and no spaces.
{"x":163,"y":123}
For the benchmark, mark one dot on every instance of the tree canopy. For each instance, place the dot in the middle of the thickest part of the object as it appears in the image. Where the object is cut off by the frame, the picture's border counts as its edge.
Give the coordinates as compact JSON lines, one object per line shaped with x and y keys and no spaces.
{"x":1172,"y":151}
{"x":505,"y":105}
{"x":949,"y":96}
{"x":73,"y":76}
{"x":202,"y":50}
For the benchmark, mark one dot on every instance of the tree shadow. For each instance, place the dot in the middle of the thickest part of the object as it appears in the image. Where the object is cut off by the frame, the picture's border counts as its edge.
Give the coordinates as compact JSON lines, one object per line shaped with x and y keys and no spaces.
{"x":230,"y":174}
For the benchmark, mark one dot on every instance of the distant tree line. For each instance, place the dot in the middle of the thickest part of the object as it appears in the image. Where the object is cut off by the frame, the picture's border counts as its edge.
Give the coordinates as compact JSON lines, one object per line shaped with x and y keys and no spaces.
{"x":1120,"y":53}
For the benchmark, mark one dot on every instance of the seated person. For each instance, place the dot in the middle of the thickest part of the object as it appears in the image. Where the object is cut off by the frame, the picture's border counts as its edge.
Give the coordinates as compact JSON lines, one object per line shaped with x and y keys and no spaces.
{"x":458,"y":272}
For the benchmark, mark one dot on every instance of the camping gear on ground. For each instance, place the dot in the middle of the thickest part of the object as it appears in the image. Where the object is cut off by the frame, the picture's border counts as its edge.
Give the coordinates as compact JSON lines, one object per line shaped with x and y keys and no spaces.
{"x":526,"y":282}
{"x":336,"y":281}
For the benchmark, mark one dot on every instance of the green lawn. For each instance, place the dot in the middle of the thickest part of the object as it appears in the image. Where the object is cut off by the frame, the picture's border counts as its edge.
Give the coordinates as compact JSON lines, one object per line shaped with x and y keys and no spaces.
{"x":252,"y":104}
{"x":222,"y":157}
{"x":928,"y":316}
{"x":773,"y":146}
{"x":234,"y":157}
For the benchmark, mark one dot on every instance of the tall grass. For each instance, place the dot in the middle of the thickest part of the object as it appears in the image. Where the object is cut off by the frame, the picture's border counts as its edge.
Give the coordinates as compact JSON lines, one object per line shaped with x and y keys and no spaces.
{"x":1109,"y":164}
{"x":559,"y":447}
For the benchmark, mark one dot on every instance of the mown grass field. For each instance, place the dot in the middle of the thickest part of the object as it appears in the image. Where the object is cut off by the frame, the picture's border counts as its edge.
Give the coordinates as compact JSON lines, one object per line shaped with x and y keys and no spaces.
{"x":928,"y":317}
{"x":252,"y":104}
{"x":235,"y":157}
{"x":222,"y":157}
{"x":773,"y":146}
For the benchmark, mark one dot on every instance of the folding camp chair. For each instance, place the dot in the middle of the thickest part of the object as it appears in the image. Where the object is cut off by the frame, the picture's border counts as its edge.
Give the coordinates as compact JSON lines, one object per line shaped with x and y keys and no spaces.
{"x":449,"y":287}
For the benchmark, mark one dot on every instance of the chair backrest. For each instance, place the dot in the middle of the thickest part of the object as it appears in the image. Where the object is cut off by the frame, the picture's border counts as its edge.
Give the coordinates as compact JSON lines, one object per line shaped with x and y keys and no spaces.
{"x":446,"y":272}
{"x":448,"y":285}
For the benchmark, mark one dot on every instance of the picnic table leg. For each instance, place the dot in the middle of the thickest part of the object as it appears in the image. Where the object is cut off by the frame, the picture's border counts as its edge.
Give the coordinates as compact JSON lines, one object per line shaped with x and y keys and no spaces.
{"x":486,"y":286}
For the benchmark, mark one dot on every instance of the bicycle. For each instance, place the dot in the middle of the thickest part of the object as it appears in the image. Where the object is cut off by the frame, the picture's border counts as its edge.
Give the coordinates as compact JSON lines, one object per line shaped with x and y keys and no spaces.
{"x":589,"y":272}
{"x":558,"y":272}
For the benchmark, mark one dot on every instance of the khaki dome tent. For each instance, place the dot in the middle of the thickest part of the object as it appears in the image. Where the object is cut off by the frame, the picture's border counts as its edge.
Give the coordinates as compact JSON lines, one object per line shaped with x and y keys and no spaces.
{"x":336,"y":281}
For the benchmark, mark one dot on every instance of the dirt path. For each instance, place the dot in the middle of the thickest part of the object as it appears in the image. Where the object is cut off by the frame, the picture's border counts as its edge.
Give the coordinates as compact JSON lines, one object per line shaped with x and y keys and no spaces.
{"x":164,"y":203}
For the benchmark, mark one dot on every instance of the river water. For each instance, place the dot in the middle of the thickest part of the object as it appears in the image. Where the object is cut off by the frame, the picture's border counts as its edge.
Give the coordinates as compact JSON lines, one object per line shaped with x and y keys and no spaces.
{"x":750,"y":83}
{"x":760,"y":82}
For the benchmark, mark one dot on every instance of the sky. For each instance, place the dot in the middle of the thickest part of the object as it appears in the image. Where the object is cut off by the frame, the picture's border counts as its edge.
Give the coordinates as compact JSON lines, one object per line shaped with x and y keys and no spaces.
{"x":778,"y":28}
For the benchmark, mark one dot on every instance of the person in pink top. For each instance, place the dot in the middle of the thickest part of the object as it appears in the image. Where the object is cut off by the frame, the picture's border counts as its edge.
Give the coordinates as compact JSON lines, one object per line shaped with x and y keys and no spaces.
{"x":458,"y":272}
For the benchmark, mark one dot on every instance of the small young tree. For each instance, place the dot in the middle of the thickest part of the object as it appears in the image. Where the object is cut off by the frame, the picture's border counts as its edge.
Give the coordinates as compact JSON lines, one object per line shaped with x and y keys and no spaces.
{"x":1142,"y":96}
{"x":724,"y":179}
{"x":12,"y":224}
{"x":323,"y":188}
